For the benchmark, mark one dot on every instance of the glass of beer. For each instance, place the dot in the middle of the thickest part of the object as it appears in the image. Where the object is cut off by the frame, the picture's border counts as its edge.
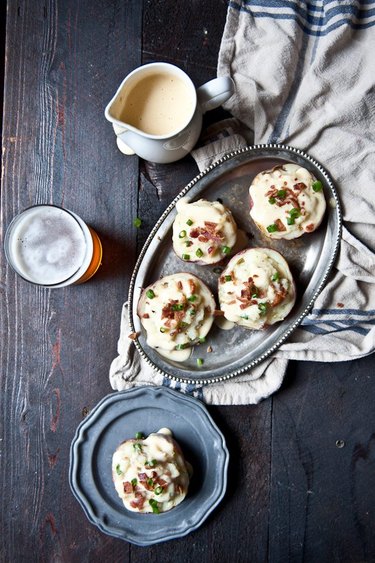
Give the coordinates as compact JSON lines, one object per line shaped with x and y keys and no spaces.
{"x":52,"y":247}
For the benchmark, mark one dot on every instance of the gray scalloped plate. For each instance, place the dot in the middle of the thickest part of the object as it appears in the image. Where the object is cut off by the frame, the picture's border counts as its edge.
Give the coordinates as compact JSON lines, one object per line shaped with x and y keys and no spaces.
{"x":146,"y":409}
{"x":310,"y":257}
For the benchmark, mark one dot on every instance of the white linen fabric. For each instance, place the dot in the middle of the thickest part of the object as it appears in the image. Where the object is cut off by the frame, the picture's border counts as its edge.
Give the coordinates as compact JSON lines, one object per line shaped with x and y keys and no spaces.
{"x":305,"y":76}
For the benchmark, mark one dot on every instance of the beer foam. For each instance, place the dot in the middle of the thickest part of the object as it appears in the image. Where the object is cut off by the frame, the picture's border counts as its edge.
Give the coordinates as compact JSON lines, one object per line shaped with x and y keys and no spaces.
{"x":47,"y":245}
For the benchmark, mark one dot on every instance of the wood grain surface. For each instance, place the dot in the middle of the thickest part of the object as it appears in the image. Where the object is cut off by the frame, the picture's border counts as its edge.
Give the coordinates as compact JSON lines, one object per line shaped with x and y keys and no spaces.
{"x":302,"y":471}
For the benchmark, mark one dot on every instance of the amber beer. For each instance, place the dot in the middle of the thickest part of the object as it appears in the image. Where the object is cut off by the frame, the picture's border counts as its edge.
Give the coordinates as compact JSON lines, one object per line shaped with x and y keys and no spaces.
{"x":53,"y":247}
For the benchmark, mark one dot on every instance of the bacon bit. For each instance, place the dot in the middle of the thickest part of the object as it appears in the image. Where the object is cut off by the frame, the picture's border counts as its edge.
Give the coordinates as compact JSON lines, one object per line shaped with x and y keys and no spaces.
{"x":192,"y":285}
{"x":139,"y":501}
{"x":169,"y":313}
{"x":209,"y":349}
{"x":179,"y":284}
{"x":272,"y":192}
{"x":208,"y":232}
{"x":218,"y":313}
{"x":309,"y":228}
{"x":133,"y":335}
{"x":128,"y":487}
{"x":280,"y":225}
{"x":142,"y":477}
{"x":146,"y":316}
{"x":249,"y":289}
{"x":340,"y":305}
{"x":161,"y":482}
{"x":231,"y":302}
{"x":280,"y":296}
{"x":300,"y":186}
{"x":211,"y":249}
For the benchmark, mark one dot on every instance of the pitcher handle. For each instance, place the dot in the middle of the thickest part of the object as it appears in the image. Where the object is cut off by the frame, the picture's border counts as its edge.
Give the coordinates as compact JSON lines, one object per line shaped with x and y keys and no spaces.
{"x":215,"y":92}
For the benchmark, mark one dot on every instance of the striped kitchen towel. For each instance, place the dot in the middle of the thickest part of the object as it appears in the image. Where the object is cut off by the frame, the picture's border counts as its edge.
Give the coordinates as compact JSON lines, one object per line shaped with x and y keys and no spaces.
{"x":305,"y":76}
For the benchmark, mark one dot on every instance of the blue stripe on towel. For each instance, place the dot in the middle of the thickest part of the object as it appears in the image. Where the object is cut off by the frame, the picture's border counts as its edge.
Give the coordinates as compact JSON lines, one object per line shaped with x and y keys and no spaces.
{"x":319,"y":330}
{"x":351,"y":14}
{"x":188,"y":388}
{"x":352,"y":312}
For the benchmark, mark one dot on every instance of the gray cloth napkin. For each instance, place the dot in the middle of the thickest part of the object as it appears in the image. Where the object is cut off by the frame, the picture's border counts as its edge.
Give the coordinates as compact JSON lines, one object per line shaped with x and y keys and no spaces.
{"x":304,"y":76}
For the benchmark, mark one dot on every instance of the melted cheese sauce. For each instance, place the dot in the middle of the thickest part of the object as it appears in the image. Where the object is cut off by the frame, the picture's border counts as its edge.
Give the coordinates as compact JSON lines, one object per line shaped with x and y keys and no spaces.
{"x":203,"y":231}
{"x":256,"y":288}
{"x":294,"y":185}
{"x":176,"y":312}
{"x":150,"y":475}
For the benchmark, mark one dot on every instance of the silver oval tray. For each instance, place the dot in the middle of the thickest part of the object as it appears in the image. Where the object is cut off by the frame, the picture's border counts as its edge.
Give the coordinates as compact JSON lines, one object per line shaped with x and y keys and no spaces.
{"x":310,"y":258}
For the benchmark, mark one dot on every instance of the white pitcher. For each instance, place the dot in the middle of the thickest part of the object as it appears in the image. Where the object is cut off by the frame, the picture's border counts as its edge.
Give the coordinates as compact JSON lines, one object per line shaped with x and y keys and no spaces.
{"x":157,"y":113}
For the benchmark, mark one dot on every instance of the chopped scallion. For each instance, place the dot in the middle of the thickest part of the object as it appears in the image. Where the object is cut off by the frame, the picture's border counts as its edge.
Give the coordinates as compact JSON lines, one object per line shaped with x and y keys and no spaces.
{"x":272,"y":228}
{"x":186,"y":256}
{"x":192,"y":298}
{"x":118,"y":469}
{"x":134,"y":482}
{"x":281,"y":194}
{"x":262,"y":308}
{"x":225,"y":249}
{"x":139,"y":436}
{"x":271,"y":200}
{"x":189,"y":222}
{"x":290,"y":221}
{"x":137,"y":222}
{"x":181,"y":346}
{"x":317,"y":186}
{"x":228,"y":278}
{"x":294,"y":213}
{"x":137,"y":446}
{"x":200,"y":362}
{"x":158,"y":490}
{"x":177,"y":307}
{"x":150,"y":294}
{"x":276,"y":276}
{"x":182,"y":234}
{"x":199,"y":252}
{"x":154,"y":505}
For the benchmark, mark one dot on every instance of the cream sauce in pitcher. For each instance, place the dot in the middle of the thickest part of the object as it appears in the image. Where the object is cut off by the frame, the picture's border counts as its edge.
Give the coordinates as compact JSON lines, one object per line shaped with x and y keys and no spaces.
{"x":157,"y":112}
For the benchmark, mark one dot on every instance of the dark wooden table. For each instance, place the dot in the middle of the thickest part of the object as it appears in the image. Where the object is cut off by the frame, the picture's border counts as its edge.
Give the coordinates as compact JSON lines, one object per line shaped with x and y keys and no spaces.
{"x":302,"y":470}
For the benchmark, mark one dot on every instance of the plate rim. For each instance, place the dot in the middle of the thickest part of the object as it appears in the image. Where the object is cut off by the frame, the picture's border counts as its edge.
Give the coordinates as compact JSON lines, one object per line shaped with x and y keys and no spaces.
{"x":248,"y":149}
{"x":89,"y":421}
